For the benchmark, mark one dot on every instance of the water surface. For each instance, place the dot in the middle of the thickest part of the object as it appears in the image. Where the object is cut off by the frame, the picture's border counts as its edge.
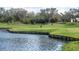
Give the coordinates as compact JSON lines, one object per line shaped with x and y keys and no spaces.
{"x":28,"y":42}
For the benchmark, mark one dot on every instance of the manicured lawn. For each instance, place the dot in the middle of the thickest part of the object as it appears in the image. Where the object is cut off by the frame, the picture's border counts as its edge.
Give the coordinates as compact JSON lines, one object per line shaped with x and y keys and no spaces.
{"x":68,"y":29}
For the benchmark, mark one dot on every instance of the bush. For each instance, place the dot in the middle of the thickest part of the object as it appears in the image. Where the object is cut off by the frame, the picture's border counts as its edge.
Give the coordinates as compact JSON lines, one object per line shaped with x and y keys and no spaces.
{"x":69,"y":23}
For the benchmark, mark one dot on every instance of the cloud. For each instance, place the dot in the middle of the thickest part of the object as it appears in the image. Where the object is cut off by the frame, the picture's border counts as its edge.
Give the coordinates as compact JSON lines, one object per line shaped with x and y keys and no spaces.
{"x":39,"y":3}
{"x":62,"y":5}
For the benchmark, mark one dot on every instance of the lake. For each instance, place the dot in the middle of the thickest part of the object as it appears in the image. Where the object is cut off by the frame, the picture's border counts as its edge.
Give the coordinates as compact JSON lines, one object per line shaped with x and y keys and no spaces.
{"x":28,"y":42}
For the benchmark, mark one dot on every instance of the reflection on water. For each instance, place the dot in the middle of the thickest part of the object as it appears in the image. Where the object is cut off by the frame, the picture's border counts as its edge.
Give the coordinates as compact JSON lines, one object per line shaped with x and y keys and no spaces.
{"x":27,"y":42}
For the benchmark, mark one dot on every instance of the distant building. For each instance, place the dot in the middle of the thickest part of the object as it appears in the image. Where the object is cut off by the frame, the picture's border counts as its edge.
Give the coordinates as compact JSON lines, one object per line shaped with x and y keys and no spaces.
{"x":75,"y":20}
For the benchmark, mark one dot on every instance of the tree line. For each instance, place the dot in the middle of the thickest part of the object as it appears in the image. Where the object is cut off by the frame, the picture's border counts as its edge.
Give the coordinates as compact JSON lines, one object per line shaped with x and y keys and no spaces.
{"x":47,"y":15}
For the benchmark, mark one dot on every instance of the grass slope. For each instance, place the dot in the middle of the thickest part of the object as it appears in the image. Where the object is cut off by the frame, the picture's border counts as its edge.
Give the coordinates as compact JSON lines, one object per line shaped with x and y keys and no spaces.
{"x":68,"y":29}
{"x":71,"y":46}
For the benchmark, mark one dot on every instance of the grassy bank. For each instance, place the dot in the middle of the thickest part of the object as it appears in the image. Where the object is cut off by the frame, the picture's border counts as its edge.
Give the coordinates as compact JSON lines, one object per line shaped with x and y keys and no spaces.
{"x":68,"y":29}
{"x":71,"y":46}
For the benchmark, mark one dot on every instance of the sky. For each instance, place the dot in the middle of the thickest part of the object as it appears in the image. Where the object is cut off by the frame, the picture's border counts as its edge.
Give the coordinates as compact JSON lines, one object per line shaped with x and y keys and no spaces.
{"x":35,"y":5}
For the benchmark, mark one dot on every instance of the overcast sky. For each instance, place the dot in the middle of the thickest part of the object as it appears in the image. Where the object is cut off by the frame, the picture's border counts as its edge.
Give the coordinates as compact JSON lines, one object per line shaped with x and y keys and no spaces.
{"x":36,"y":4}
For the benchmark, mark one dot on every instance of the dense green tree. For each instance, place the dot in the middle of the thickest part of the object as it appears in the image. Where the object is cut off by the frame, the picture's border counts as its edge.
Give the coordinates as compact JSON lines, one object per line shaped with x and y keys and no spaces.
{"x":46,"y":15}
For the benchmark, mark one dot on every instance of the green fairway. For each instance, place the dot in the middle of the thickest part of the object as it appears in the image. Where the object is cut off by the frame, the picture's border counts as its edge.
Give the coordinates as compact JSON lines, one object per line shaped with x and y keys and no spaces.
{"x":68,"y":29}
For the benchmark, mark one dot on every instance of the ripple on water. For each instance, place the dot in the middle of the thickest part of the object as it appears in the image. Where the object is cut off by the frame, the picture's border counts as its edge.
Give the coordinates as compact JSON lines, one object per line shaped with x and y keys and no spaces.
{"x":28,"y":42}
